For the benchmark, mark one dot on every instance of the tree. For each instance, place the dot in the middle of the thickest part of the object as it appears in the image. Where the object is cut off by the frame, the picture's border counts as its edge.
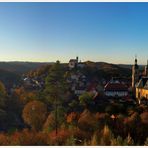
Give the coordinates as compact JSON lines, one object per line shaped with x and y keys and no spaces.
{"x":144,"y":117}
{"x":87,"y":121}
{"x":61,"y":138}
{"x":133,"y":126}
{"x":55,"y":85}
{"x":55,"y":89}
{"x":106,"y":137}
{"x":119,"y":141}
{"x":103,"y":119}
{"x":114,"y":108}
{"x":34,"y":114}
{"x":86,"y":99}
{"x":74,"y":105}
{"x":3,"y":107}
{"x":25,"y":96}
{"x":3,"y":94}
{"x":50,"y":123}
{"x":94,"y":141}
{"x":72,"y":118}
{"x":51,"y":120}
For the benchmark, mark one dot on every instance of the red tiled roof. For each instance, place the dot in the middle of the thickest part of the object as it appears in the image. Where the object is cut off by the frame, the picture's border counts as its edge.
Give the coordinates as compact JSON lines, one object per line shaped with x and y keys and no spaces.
{"x":115,"y":87}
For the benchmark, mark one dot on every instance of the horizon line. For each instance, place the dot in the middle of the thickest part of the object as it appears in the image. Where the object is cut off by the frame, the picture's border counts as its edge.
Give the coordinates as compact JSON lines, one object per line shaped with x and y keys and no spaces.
{"x":19,"y":61}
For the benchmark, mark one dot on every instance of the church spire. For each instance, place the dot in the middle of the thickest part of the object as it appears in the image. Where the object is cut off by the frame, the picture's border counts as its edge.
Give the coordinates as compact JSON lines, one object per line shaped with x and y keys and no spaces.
{"x":136,"y":62}
{"x":135,"y":73}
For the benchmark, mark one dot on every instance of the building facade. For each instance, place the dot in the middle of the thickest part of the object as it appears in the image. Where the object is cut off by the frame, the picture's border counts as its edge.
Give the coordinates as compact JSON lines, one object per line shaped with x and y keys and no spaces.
{"x":140,"y":82}
{"x":114,"y":88}
{"x":73,"y":63}
{"x":142,"y":88}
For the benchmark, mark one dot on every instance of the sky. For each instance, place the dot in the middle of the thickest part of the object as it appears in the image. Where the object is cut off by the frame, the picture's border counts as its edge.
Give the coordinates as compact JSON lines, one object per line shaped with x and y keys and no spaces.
{"x":46,"y":32}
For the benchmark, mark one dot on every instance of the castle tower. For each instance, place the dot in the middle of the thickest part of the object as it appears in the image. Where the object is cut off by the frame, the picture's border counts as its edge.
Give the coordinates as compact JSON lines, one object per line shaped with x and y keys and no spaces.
{"x":77,"y":59}
{"x":146,"y":70}
{"x":135,"y":74}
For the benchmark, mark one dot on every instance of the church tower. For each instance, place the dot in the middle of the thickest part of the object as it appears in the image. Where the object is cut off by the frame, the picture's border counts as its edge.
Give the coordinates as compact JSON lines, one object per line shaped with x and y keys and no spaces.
{"x":135,"y":74}
{"x":146,"y":70}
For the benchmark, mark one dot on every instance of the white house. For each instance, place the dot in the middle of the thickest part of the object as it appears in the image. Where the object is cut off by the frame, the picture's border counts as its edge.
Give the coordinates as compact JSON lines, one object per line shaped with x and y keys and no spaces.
{"x":114,"y":88}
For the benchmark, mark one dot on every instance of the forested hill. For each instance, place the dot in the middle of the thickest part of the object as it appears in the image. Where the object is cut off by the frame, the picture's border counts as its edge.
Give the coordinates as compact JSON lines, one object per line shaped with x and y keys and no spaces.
{"x":25,"y":67}
{"x":9,"y":78}
{"x":108,"y":70}
{"x":92,"y":69}
{"x":20,"y":67}
{"x":10,"y":72}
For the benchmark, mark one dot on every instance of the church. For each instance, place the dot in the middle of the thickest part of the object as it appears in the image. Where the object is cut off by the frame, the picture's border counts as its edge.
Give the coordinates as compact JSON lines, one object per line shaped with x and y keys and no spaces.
{"x":140,"y":81}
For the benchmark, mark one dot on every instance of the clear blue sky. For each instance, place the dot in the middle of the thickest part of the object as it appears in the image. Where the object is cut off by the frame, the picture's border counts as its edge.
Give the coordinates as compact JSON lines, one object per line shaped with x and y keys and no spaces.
{"x":110,"y":32}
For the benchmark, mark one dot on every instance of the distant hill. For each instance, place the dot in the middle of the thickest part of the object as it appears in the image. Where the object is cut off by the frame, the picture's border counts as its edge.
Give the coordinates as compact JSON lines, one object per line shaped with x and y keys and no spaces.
{"x":9,"y":78}
{"x":141,"y":67}
{"x":125,"y":66}
{"x":107,"y":70}
{"x":20,"y":67}
{"x":10,"y":72}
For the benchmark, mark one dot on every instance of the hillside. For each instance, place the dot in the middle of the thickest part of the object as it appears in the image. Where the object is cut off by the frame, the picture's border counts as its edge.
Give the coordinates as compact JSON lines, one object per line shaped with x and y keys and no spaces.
{"x":20,"y":67}
{"x":11,"y":72}
{"x":9,"y":78}
{"x":106,"y":70}
{"x":93,"y":70}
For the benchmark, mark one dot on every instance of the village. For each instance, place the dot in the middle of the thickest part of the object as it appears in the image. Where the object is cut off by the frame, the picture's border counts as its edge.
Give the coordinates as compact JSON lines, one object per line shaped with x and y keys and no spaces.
{"x":123,"y":90}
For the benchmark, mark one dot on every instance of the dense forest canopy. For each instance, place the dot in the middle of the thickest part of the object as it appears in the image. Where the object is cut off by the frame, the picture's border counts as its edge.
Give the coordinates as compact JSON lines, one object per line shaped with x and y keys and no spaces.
{"x":54,"y":115}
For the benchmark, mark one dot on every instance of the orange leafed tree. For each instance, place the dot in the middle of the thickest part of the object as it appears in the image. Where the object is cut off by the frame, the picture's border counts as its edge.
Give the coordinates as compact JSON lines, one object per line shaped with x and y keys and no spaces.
{"x":87,"y":121}
{"x":24,"y":95}
{"x":34,"y":114}
{"x":61,"y":138}
{"x":49,"y":123}
{"x":72,"y":117}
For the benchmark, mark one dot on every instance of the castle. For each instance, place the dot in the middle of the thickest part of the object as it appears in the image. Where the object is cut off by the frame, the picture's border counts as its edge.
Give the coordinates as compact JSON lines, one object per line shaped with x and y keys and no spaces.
{"x":140,"y":81}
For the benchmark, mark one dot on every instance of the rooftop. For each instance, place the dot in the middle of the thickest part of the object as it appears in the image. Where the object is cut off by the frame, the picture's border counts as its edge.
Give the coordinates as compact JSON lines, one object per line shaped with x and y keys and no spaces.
{"x":115,"y":86}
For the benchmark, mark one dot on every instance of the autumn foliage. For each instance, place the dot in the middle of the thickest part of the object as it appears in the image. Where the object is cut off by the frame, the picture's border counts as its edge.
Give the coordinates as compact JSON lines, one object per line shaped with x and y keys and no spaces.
{"x":60,"y":138}
{"x":72,"y":117}
{"x":87,"y":121}
{"x":24,"y":138}
{"x":34,"y":114}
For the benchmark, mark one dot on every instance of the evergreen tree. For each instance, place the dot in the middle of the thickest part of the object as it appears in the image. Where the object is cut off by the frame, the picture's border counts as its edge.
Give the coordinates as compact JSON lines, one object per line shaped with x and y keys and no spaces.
{"x":55,"y":90}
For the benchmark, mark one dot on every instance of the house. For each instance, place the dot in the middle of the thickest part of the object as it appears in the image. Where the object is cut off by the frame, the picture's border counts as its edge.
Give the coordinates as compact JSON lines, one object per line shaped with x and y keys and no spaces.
{"x":73,"y":63}
{"x":142,"y":88}
{"x":115,"y":88}
{"x":79,"y":91}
